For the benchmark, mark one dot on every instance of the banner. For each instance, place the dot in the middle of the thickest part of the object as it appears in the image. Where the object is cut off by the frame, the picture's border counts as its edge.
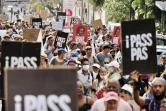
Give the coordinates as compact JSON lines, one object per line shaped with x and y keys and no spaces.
{"x":37,"y":23}
{"x":116,"y":35}
{"x":18,"y":55}
{"x":139,"y":46}
{"x":61,"y":39}
{"x":41,"y":89}
{"x":31,"y":34}
{"x":61,"y":17}
{"x":57,"y":25}
{"x":80,"y":32}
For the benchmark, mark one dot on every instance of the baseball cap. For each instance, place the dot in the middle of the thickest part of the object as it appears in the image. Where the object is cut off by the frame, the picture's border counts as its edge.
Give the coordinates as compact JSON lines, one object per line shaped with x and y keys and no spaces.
{"x":74,"y":53}
{"x":71,"y":62}
{"x":111,"y":96}
{"x":128,"y":88}
{"x":114,"y":63}
{"x":96,"y":65}
{"x":61,"y":51}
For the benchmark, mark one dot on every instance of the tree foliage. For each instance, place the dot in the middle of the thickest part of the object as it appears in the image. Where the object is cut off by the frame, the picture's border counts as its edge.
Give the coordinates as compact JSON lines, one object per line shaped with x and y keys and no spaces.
{"x":52,"y":5}
{"x":117,"y":10}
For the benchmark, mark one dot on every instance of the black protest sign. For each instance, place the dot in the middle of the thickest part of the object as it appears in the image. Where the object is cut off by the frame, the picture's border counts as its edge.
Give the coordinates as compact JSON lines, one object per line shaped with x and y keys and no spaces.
{"x":19,"y":55}
{"x":60,"y":41}
{"x":61,"y":17}
{"x":139,"y":46}
{"x":37,"y":23}
{"x":41,"y":89}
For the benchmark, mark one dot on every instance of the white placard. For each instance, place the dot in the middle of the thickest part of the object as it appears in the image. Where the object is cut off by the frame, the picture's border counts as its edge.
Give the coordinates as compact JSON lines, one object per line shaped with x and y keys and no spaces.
{"x":57,"y":25}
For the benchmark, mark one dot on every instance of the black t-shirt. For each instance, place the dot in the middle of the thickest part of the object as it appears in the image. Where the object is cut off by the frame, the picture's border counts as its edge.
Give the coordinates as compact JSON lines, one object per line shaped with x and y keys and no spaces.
{"x":161,"y":69}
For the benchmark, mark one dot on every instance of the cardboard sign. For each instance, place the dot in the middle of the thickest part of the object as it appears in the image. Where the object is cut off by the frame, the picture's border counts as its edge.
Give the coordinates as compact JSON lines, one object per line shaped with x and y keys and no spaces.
{"x":80,"y":32}
{"x":44,"y":14}
{"x":18,"y":55}
{"x":31,"y":34}
{"x":57,"y":25}
{"x":116,"y":35}
{"x":97,"y":23}
{"x":75,"y":21}
{"x":139,"y":46}
{"x":37,"y":23}
{"x":61,"y":39}
{"x":41,"y":89}
{"x":61,"y":17}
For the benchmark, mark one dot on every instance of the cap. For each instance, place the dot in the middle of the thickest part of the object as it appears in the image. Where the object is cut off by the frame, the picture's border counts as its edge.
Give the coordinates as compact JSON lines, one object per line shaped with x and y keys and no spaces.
{"x":111,"y":96}
{"x":74,"y":53}
{"x":159,"y":79}
{"x":88,"y":47}
{"x":61,"y":51}
{"x":127,"y":88}
{"x":114,"y":63}
{"x":96,"y":65}
{"x":71,"y":62}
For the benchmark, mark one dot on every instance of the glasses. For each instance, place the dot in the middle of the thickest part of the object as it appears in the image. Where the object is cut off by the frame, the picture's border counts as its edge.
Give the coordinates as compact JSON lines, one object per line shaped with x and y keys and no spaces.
{"x":126,"y":92}
{"x":106,"y":62}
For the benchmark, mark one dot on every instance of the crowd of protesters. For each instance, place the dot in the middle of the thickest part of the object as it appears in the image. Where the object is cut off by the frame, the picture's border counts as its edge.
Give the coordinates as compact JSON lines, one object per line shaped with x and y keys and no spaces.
{"x":101,"y":85}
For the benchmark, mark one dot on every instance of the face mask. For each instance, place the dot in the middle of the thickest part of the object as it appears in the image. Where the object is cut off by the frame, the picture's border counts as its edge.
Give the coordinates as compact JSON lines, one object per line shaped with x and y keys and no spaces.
{"x":106,"y":66}
{"x":85,"y":67}
{"x":104,"y":77}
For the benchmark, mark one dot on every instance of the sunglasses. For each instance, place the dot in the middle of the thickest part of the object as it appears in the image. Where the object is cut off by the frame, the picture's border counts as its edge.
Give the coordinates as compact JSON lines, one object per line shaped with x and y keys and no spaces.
{"x":106,"y":62}
{"x":126,"y":92}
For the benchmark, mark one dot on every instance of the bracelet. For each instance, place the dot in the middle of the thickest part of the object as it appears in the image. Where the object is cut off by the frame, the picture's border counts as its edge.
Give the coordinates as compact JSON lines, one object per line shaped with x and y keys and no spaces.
{"x":137,"y":86}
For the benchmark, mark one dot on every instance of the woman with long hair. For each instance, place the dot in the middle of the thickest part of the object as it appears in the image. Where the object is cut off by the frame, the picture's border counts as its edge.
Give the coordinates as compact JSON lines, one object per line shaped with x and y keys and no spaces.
{"x":99,"y":82}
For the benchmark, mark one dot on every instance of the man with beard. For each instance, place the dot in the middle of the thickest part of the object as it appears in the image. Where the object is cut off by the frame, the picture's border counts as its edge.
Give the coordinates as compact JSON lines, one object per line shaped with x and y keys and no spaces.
{"x":158,"y":87}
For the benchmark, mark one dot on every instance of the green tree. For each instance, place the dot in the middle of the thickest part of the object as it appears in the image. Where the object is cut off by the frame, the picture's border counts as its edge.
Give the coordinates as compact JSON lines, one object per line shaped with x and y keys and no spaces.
{"x":36,"y":3}
{"x":117,"y":10}
{"x":53,"y":5}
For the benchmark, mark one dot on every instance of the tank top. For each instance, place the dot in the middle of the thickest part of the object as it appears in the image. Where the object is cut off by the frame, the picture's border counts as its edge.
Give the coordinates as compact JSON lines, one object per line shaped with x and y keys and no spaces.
{"x":85,"y":106}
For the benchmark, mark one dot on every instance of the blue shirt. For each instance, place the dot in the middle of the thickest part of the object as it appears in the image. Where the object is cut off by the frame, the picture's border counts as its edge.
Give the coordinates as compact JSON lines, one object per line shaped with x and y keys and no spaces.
{"x":151,"y":105}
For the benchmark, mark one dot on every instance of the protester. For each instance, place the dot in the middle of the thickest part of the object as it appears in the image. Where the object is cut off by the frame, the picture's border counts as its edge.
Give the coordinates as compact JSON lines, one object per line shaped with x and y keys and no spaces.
{"x":99,"y":104}
{"x":84,"y":102}
{"x":104,"y":54}
{"x":49,"y":48}
{"x":85,"y":77}
{"x":59,"y":59}
{"x":158,"y":87}
{"x":100,"y":81}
